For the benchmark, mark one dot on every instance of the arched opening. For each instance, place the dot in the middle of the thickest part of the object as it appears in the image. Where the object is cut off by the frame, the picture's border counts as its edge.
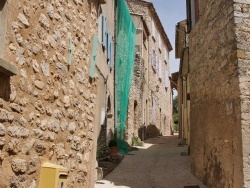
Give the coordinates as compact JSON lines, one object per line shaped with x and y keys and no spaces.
{"x":109,"y":127}
{"x":109,"y":105}
{"x":135,"y":114}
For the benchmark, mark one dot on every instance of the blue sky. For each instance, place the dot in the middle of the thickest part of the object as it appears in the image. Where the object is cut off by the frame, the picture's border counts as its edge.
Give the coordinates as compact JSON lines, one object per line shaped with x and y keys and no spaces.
{"x":170,"y":13}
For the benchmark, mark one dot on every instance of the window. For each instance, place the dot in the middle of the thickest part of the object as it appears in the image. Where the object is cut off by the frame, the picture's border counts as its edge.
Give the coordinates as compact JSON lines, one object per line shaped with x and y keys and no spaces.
{"x":166,"y":55}
{"x":192,"y":13}
{"x":160,"y":69}
{"x":166,"y":79}
{"x":100,"y":23}
{"x":104,"y":32}
{"x":93,"y":59}
{"x":109,"y":50}
{"x":159,"y":41}
{"x":153,"y":112}
{"x":156,"y":63}
{"x":153,"y":59}
{"x":153,"y":29}
{"x":6,"y":70}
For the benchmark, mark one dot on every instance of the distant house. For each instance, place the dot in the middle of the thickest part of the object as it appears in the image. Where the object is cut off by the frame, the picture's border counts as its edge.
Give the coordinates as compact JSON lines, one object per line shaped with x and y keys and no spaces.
{"x":183,"y":83}
{"x":150,"y":94}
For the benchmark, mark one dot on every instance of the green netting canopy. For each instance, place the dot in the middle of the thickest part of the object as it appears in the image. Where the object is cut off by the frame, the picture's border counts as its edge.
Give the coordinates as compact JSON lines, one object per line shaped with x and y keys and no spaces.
{"x":125,"y":52}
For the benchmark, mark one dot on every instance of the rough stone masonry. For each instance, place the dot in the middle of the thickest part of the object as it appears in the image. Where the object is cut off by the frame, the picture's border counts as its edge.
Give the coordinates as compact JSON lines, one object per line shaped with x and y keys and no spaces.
{"x":50,"y":110}
{"x":219,"y":69}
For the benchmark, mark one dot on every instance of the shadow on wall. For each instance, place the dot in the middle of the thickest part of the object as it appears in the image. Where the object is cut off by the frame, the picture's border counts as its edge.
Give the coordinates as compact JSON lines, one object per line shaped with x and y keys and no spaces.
{"x":2,"y":3}
{"x":150,"y":131}
{"x":102,"y":148}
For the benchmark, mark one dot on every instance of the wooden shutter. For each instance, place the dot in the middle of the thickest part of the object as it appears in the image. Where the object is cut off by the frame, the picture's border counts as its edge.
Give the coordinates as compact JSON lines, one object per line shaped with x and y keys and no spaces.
{"x":153,"y":58}
{"x":109,"y":50}
{"x":153,"y":112}
{"x":165,"y":54}
{"x":70,"y":50}
{"x":160,"y":69}
{"x":156,"y":63}
{"x":100,"y":28}
{"x":159,"y":40}
{"x":104,"y":32}
{"x":111,"y":55}
{"x":153,"y":28}
{"x":166,"y":79}
{"x":93,"y":59}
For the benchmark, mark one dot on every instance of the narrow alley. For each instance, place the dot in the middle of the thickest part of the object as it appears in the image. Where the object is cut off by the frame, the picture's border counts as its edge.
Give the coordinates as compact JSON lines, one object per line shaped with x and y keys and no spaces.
{"x":160,"y":163}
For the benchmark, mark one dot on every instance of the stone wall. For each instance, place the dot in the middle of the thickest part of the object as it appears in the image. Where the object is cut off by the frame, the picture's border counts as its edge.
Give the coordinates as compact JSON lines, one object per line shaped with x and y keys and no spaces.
{"x":216,"y":145}
{"x":135,"y":108}
{"x":242,"y":19}
{"x":50,"y":112}
{"x":161,"y":96}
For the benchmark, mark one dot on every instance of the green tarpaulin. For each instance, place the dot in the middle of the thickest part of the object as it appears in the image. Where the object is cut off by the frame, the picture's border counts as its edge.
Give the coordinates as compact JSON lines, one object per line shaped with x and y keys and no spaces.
{"x":125,"y":53}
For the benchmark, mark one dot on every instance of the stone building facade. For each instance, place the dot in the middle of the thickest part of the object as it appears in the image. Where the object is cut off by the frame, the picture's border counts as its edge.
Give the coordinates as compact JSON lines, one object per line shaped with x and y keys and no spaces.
{"x":52,"y":109}
{"x":183,"y":83}
{"x":219,"y":91}
{"x":150,"y":96}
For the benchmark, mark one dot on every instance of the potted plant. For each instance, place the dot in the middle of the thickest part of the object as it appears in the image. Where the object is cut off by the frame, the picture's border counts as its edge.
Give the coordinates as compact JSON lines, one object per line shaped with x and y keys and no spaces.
{"x":113,"y":147}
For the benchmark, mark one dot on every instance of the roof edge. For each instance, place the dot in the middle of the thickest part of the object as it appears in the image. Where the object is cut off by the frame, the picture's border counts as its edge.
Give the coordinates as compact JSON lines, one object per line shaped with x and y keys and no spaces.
{"x":158,"y":21}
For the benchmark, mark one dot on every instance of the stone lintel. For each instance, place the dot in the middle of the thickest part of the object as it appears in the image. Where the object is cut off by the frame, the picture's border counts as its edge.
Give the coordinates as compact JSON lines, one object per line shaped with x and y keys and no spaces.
{"x":7,"y":68}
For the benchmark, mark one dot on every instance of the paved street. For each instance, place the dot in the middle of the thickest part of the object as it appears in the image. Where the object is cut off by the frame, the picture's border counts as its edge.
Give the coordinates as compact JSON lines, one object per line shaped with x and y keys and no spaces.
{"x":158,"y":164}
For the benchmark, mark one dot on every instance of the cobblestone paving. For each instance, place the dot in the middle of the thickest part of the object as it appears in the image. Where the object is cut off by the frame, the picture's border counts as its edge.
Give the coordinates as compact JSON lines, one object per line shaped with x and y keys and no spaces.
{"x":158,"y":164}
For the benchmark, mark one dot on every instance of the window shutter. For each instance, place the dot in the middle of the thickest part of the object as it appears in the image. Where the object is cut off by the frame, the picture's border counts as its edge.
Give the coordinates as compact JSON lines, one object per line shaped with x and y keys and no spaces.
{"x":160,"y":69}
{"x":156,"y":64}
{"x":109,"y":50}
{"x":104,"y":32}
{"x":159,"y":40}
{"x":153,"y":112}
{"x":108,"y":38}
{"x":70,"y":51}
{"x":100,"y":28}
{"x":152,"y":51}
{"x":153,"y":28}
{"x":93,"y":59}
{"x":166,"y":55}
{"x":153,"y":60}
{"x":111,"y":54}
{"x":166,"y":80}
